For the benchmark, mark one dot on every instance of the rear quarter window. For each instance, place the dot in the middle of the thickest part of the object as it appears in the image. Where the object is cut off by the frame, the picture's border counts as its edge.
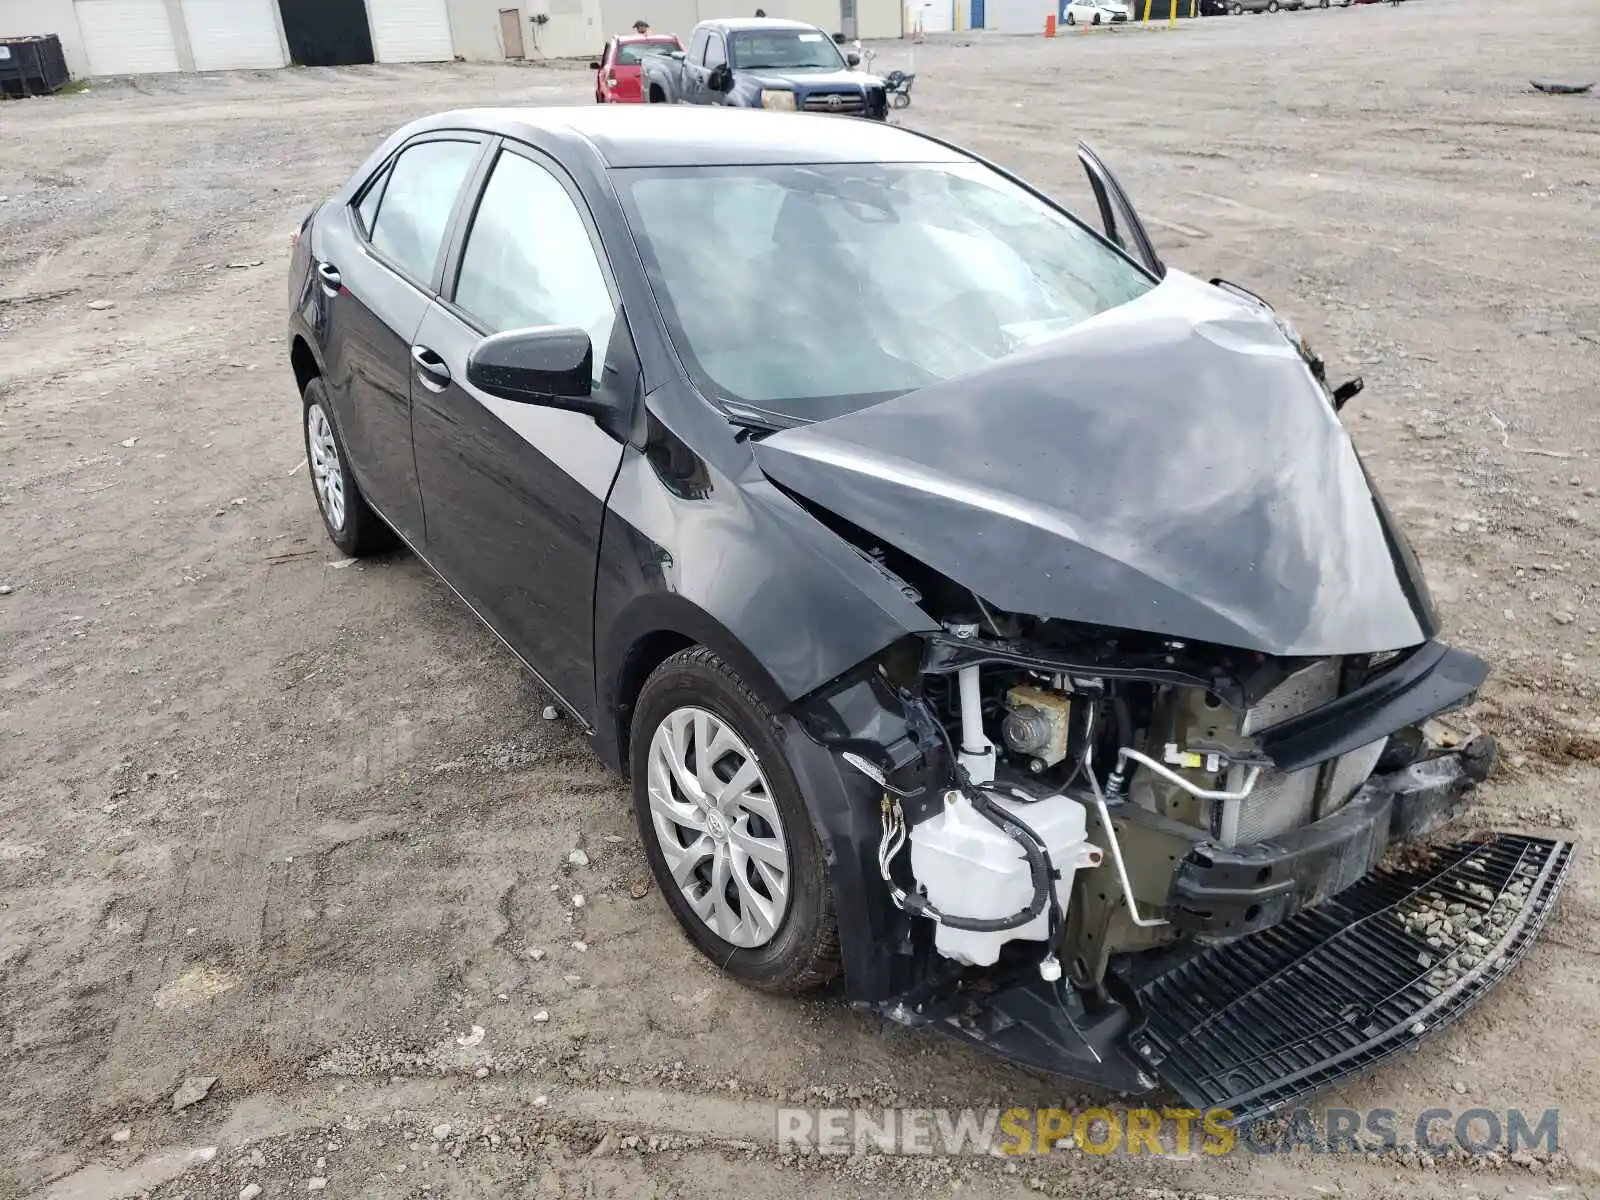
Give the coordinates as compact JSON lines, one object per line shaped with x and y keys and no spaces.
{"x":632,"y":56}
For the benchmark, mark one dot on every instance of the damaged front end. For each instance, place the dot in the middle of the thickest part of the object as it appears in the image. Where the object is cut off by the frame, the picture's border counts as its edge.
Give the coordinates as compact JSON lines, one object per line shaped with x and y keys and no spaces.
{"x":1135,"y":860}
{"x":1150,"y":804}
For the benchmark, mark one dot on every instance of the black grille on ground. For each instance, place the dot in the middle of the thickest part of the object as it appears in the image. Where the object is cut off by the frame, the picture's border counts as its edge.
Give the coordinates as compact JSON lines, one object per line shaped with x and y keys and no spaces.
{"x":843,"y":103}
{"x":1255,"y":1024}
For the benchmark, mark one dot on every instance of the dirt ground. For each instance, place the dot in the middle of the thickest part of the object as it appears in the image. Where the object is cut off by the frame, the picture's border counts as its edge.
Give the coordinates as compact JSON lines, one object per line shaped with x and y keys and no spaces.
{"x":299,"y":825}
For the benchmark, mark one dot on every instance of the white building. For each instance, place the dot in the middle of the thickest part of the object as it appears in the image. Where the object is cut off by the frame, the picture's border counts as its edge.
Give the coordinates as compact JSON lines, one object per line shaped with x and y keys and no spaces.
{"x":136,"y":37}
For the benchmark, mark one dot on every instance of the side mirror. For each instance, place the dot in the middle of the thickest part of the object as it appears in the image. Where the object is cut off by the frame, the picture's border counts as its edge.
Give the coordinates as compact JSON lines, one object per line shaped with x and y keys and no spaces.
{"x":853,"y":59}
{"x":550,"y":365}
{"x":594,"y":66}
{"x":720,"y":79}
{"x":1347,"y":392}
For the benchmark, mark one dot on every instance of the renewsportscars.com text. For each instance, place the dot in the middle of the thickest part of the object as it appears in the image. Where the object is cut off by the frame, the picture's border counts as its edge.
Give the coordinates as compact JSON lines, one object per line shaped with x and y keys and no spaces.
{"x":1159,"y":1131}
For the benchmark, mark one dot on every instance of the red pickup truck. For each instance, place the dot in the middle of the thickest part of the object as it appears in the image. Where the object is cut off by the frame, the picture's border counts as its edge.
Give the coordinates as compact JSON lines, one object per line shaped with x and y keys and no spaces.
{"x":616,"y":74}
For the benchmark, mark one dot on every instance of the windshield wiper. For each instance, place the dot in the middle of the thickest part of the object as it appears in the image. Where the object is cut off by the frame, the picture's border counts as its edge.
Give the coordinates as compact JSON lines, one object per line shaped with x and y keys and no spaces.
{"x":750,"y":424}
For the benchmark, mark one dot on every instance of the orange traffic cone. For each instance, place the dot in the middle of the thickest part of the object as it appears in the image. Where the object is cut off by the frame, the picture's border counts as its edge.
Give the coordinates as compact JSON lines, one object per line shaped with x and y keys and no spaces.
{"x":1050,"y":25}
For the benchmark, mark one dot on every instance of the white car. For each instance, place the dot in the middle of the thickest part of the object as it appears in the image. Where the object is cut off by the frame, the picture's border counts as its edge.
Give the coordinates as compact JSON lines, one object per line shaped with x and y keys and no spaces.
{"x":1097,"y":12}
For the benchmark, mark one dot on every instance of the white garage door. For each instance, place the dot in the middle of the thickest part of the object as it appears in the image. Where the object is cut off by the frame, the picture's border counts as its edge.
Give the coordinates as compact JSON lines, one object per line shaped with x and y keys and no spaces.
{"x":1021,"y":16}
{"x":935,"y":16}
{"x":233,"y":35}
{"x":410,"y":31}
{"x":126,"y":37}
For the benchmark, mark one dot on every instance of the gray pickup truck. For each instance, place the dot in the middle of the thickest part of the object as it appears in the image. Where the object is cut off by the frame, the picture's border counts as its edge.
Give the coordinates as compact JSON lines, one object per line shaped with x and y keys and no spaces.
{"x":763,"y":62}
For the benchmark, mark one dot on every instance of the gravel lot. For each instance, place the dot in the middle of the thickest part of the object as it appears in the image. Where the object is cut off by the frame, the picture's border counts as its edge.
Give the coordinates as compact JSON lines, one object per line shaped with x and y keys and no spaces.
{"x":300,"y":826}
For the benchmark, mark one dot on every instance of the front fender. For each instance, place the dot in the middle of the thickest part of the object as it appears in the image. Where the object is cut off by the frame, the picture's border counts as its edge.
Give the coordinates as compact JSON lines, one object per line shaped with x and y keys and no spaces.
{"x":710,"y":554}
{"x":746,"y":92}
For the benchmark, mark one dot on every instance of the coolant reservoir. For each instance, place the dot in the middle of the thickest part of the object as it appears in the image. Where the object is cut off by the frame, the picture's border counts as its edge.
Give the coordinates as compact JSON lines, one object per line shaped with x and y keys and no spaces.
{"x":970,"y":868}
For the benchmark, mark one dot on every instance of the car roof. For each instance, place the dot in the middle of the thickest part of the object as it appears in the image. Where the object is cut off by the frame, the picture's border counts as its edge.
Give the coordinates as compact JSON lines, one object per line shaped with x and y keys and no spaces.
{"x":737,"y":24}
{"x":645,"y":37}
{"x":676,"y":135}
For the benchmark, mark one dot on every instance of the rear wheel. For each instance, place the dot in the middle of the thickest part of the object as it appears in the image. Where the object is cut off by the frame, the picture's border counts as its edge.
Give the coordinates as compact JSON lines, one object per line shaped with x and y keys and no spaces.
{"x":1237,"y":8}
{"x":1097,"y":18}
{"x":726,"y":830}
{"x":348,"y":518}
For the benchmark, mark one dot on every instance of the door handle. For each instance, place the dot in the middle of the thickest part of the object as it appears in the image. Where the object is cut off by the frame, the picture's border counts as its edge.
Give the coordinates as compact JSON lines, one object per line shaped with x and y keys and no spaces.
{"x":329,"y":274}
{"x":432,"y":372}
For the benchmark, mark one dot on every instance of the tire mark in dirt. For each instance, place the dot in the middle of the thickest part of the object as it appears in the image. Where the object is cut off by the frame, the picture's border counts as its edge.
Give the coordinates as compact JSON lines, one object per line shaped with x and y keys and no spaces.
{"x":538,"y":1108}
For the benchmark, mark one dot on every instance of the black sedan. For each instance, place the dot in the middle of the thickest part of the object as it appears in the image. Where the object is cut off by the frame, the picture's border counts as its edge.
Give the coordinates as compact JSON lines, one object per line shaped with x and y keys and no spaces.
{"x":942,"y":571}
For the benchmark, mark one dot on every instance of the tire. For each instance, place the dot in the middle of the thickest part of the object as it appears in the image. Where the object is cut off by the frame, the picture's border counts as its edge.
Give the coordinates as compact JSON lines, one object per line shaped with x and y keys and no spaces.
{"x":800,"y":950}
{"x":346,"y":516}
{"x":1097,"y":18}
{"x":1071,"y":20}
{"x":1272,"y":6}
{"x":1237,"y":8}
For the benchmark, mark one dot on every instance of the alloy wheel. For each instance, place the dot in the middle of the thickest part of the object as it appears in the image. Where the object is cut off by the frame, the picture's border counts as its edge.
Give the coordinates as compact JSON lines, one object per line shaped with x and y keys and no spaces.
{"x":718,"y":827}
{"x":327,"y":472}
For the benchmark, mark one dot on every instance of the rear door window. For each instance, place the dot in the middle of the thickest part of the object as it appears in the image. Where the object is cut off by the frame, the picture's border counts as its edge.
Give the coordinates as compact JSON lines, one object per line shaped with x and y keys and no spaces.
{"x":408,"y":225}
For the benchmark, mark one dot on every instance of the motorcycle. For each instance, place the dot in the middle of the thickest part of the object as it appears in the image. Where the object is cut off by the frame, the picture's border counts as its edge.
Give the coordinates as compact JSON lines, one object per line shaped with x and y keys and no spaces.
{"x":898,"y":86}
{"x":897,"y":83}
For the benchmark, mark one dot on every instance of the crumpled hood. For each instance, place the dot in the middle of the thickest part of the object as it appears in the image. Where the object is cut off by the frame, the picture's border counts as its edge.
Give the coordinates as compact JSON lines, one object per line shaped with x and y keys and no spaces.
{"x":1169,"y":466}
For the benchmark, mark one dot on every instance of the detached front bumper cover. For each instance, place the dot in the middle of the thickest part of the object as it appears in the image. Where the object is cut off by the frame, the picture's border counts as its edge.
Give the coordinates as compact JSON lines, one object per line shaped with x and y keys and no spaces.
{"x":1251,"y":1026}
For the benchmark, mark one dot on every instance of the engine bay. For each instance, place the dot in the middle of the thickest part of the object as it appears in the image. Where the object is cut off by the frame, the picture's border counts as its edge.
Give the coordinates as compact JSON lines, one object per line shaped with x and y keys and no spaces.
{"x":1081,"y":768}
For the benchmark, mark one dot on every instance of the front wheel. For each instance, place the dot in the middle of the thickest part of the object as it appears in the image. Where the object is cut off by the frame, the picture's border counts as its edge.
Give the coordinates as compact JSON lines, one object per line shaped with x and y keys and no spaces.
{"x":727,"y":832}
{"x":903,"y":99}
{"x":1097,"y":18}
{"x":1272,"y":6}
{"x":1071,"y":20}
{"x":1236,"y":9}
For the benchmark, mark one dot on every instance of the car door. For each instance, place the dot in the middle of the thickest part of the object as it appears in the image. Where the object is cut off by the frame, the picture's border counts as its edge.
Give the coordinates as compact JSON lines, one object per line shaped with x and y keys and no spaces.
{"x":515,"y":493}
{"x":604,"y":73}
{"x":716,"y":55}
{"x":377,"y":263}
{"x":1122,"y":225}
